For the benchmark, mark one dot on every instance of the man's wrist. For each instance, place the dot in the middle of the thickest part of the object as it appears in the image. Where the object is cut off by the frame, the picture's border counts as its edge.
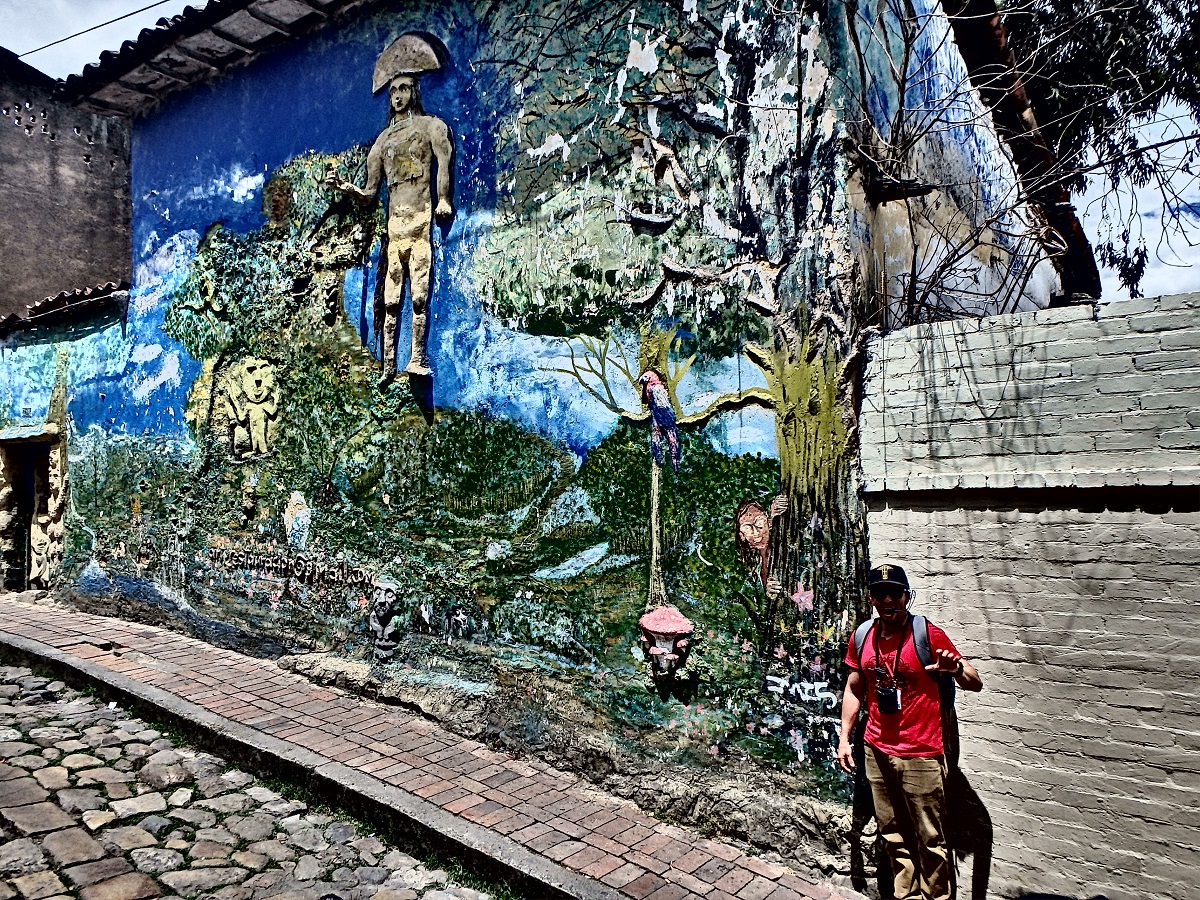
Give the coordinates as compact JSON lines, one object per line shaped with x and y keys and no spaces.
{"x":961,"y":670}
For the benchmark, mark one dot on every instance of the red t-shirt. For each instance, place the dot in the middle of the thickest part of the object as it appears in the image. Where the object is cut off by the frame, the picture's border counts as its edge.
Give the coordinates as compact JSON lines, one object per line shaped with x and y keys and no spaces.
{"x":917,"y":729}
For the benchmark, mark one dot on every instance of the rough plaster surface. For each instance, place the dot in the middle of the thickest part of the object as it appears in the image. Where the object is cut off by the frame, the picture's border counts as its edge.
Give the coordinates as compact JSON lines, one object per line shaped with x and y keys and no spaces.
{"x":1078,"y":607}
{"x":1084,"y":396}
{"x":67,"y":210}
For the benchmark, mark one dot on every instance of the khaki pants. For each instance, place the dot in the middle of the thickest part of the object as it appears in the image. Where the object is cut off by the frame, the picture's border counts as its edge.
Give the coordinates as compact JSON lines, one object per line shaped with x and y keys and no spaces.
{"x":910,"y":806}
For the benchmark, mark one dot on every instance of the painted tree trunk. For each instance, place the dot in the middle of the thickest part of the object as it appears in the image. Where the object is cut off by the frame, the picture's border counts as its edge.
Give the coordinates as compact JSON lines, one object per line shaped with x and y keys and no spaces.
{"x":657,"y":593}
{"x":818,"y":552}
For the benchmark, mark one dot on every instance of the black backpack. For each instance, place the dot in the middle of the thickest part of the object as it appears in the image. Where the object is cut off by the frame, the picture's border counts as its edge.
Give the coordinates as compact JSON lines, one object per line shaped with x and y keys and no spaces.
{"x":945,"y":683}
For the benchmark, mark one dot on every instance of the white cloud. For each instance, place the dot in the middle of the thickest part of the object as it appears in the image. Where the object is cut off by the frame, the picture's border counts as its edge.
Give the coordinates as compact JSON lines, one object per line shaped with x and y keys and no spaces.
{"x":168,"y":373}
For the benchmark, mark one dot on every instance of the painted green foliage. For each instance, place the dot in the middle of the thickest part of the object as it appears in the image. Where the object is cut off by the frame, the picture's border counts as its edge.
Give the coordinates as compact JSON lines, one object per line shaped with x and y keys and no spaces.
{"x":667,"y":186}
{"x":626,"y":153}
{"x":705,"y":577}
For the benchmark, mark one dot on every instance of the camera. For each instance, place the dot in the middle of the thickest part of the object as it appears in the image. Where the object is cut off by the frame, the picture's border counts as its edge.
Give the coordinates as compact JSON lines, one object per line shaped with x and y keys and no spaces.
{"x":888,"y":700}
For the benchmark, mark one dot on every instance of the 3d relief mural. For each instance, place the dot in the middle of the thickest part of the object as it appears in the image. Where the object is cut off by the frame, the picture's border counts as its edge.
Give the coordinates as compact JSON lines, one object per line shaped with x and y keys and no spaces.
{"x":510,"y":350}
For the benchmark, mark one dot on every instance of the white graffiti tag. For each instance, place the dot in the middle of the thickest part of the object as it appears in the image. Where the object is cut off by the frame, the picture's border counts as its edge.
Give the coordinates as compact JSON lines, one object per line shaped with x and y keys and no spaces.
{"x":808,"y":691}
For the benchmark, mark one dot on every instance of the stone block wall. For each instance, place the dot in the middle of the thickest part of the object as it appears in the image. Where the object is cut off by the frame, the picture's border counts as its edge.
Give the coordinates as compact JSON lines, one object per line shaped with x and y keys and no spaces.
{"x":1037,"y":476}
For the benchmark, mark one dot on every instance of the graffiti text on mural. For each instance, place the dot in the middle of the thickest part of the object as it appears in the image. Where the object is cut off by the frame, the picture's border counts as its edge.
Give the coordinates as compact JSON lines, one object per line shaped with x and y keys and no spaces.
{"x":273,"y":561}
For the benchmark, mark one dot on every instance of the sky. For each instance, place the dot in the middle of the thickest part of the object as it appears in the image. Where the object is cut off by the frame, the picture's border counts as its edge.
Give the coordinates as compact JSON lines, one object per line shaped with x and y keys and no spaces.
{"x":1174,"y":266}
{"x":27,"y":24}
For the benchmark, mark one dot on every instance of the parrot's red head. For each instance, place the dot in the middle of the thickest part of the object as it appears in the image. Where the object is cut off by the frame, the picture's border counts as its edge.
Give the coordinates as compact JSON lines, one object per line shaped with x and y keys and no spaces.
{"x":649,"y":377}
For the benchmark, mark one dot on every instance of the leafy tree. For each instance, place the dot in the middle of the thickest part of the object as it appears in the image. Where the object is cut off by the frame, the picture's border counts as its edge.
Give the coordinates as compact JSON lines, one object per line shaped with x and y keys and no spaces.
{"x":1097,"y":74}
{"x":669,"y":195}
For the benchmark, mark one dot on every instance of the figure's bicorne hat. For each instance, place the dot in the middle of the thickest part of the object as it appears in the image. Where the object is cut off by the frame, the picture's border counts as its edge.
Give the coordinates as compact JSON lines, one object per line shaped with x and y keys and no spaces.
{"x":414,"y":53}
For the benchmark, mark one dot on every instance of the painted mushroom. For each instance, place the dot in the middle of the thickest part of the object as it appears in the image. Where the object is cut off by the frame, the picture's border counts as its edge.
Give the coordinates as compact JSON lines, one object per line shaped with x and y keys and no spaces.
{"x":666,"y":639}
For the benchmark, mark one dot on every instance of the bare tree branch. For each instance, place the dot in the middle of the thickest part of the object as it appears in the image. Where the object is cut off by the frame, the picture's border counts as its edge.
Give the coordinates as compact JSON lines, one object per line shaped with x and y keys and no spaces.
{"x":731,"y":402}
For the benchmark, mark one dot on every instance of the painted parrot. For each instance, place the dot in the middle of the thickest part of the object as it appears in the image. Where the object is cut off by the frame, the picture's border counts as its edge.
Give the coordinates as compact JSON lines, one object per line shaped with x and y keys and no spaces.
{"x":662,"y":417}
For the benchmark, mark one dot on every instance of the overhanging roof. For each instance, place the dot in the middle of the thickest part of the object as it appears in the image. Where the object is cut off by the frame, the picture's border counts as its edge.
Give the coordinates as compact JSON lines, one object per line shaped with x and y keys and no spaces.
{"x":190,"y":48}
{"x":69,"y":308}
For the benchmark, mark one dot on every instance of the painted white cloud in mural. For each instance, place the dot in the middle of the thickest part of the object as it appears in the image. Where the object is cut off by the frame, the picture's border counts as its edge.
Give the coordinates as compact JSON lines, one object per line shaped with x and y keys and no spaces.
{"x":167,"y":373}
{"x":145,"y":353}
{"x":164,"y":270}
{"x":236,"y":183}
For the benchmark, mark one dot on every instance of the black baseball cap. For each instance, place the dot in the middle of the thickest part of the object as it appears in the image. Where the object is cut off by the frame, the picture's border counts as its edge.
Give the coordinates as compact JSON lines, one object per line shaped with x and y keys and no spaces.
{"x":887,"y":575}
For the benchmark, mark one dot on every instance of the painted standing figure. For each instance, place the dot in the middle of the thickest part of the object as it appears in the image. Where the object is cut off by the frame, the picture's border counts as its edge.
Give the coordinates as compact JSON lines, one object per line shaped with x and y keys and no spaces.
{"x":415,"y":153}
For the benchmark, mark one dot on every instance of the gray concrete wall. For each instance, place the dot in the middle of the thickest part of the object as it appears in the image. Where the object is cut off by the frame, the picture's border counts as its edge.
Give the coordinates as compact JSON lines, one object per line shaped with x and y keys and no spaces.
{"x":1037,"y":475}
{"x":64,"y":222}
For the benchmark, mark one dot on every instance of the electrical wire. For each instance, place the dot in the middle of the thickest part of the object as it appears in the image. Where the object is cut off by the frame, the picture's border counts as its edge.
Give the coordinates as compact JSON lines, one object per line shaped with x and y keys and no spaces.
{"x":93,"y":28}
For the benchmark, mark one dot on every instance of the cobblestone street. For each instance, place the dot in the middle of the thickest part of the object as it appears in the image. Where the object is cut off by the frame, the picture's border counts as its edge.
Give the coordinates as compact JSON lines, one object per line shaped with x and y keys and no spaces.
{"x":100,"y":806}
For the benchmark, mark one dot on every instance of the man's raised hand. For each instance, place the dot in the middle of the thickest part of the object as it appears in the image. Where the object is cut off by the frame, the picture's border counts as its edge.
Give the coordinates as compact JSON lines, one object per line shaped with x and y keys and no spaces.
{"x":945,"y":663}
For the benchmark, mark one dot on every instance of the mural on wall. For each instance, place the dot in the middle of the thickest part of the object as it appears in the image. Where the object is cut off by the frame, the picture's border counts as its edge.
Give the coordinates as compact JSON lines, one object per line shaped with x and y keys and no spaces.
{"x":604,"y":506}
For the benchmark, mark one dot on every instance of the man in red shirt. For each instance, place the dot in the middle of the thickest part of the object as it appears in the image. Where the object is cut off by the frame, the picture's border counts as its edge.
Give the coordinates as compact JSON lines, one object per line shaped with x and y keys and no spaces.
{"x":905,"y":760}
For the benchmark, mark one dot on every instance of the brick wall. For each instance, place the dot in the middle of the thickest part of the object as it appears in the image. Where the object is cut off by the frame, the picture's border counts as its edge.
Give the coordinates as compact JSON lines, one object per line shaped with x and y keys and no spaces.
{"x":1084,"y":396}
{"x":1037,"y":475}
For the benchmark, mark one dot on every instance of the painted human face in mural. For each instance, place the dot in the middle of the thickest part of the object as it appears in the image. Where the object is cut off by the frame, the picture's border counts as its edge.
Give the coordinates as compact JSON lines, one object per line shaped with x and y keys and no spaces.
{"x":754,"y":528}
{"x":383,"y":599}
{"x":404,"y":94}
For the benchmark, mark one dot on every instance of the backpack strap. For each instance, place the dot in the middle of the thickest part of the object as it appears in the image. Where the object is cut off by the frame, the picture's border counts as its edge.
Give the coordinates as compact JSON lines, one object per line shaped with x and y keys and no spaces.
{"x":860,"y":638}
{"x":946,"y":691}
{"x":920,"y":632}
{"x":920,"y":629}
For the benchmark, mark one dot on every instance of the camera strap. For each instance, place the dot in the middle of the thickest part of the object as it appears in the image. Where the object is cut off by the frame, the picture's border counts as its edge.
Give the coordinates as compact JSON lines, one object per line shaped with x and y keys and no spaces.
{"x":882,"y":663}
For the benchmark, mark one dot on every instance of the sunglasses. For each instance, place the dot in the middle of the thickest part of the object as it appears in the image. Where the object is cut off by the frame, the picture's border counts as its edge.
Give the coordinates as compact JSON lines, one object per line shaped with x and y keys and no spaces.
{"x":887,"y":593}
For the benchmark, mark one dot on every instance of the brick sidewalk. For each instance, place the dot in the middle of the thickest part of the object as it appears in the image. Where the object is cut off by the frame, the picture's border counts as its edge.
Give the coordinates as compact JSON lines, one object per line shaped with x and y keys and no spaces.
{"x":541,"y":809}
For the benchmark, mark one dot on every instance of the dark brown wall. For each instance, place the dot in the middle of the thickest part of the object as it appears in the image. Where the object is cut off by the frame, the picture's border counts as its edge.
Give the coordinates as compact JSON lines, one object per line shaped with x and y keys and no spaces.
{"x":64,"y":212}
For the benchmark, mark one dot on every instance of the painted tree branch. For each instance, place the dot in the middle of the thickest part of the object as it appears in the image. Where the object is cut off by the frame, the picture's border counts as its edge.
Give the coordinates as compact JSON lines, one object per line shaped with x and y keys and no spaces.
{"x":586,"y":369}
{"x":760,"y":356}
{"x":731,"y":402}
{"x":767,"y":273}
